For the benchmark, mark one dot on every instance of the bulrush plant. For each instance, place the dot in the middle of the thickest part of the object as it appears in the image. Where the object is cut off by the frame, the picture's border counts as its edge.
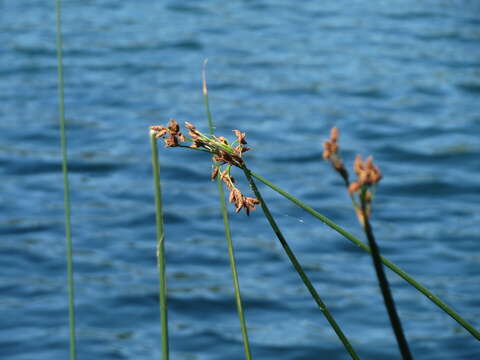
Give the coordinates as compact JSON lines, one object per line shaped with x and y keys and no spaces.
{"x":228,"y":155}
{"x":225,"y":156}
{"x":361,"y":193}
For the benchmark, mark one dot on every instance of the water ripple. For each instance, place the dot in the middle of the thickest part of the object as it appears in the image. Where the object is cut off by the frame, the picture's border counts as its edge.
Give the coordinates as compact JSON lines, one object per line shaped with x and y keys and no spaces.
{"x":399,"y":79}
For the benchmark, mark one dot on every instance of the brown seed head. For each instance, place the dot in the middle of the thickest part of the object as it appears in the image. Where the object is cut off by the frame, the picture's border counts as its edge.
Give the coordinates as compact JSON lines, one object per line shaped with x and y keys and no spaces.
{"x":173,"y":127}
{"x":160,"y":131}
{"x":195,"y":136}
{"x":354,"y":187}
{"x":224,"y":176}
{"x":327,"y":152}
{"x":358,"y":165}
{"x":171,"y":141}
{"x":223,"y":140}
{"x":240,"y":137}
{"x":189,"y":126}
{"x":218,"y":159}
{"x":214,"y":173}
{"x":334,"y":134}
{"x":364,"y":178}
{"x":249,"y":204}
{"x":231,"y":197}
{"x":239,"y":150}
{"x":238,"y":199}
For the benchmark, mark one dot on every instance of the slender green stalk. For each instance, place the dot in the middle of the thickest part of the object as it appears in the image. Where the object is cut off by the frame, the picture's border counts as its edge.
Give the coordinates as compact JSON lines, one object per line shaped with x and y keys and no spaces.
{"x":435,"y":299}
{"x":228,"y":235}
{"x":236,"y":285}
{"x":66,"y":187}
{"x":299,"y":268}
{"x":162,"y":293}
{"x":383,"y":283}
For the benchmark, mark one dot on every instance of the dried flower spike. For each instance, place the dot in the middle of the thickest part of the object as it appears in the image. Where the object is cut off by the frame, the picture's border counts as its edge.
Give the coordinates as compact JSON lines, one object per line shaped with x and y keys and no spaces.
{"x":367,"y":173}
{"x":240,"y":137}
{"x":175,"y":137}
{"x":330,"y":152}
{"x":334,"y":135}
{"x":214,"y":173}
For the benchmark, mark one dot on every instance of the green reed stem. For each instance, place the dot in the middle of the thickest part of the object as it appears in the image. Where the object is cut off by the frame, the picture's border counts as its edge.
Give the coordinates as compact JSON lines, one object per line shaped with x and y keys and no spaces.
{"x":432,"y":297}
{"x":299,"y":268}
{"x":66,"y":186}
{"x":228,"y":235}
{"x":383,"y":282}
{"x":162,"y":291}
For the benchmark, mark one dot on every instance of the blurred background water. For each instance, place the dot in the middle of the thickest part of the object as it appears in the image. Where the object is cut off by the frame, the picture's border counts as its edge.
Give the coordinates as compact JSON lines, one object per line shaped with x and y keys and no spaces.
{"x":400,"y":79}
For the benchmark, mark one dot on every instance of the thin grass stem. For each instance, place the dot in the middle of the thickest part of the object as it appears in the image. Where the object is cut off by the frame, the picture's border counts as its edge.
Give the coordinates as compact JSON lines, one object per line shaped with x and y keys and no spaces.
{"x":162,"y":293}
{"x":299,"y":268}
{"x":228,"y":235}
{"x":432,"y":297}
{"x":384,"y":286}
{"x":66,"y":186}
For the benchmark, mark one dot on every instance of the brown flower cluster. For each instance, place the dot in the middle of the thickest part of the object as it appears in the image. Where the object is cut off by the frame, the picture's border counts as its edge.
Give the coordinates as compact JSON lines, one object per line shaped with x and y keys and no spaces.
{"x":171,"y":133}
{"x":367,"y":174}
{"x":330,"y":152}
{"x":330,"y":147}
{"x":236,"y":197}
{"x":224,"y":154}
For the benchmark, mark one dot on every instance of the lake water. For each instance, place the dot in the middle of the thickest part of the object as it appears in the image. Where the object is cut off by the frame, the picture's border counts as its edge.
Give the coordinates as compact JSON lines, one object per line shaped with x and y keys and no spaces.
{"x":400,"y":79}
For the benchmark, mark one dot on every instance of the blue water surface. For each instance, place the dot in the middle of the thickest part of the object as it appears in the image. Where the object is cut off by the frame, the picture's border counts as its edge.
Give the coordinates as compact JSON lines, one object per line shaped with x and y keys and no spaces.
{"x":400,"y":79}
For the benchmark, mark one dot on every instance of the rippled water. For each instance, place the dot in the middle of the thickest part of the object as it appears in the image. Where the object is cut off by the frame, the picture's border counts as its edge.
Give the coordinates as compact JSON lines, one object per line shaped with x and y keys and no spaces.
{"x":401,"y":79}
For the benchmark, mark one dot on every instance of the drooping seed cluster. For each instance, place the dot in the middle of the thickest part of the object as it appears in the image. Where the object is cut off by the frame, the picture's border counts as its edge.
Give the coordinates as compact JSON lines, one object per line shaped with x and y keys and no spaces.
{"x":236,"y":197}
{"x":225,"y":156}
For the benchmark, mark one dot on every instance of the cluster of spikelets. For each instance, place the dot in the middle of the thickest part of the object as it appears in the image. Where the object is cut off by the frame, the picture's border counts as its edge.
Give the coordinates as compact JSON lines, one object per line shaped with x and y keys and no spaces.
{"x":368,"y":175}
{"x":236,"y":197}
{"x":225,"y":156}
